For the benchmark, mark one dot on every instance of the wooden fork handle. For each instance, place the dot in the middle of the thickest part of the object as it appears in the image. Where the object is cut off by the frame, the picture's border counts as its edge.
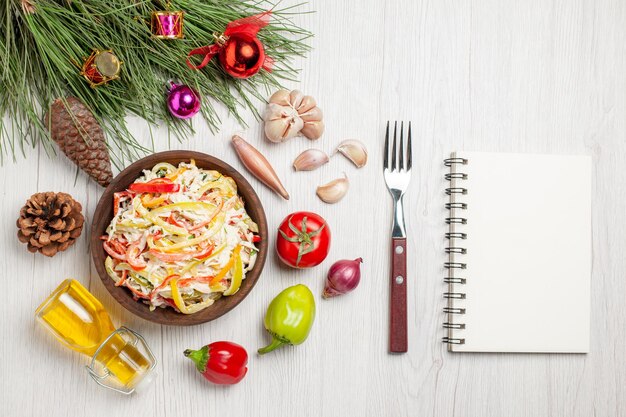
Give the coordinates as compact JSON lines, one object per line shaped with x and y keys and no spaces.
{"x":398,"y":342}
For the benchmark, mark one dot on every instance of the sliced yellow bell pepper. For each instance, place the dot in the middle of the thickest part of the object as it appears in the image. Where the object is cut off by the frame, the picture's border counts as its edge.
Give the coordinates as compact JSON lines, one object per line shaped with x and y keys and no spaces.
{"x":135,"y":223}
{"x":108,"y":265}
{"x":235,"y":281}
{"x":175,"y":230}
{"x":229,"y":265}
{"x":156,"y":220}
{"x":186,"y":205}
{"x":219,"y":184}
{"x":180,"y":303}
{"x":169,"y":168}
{"x":185,"y":243}
{"x":192,"y":264}
{"x":158,"y":276}
{"x":175,"y":175}
{"x":151,"y":201}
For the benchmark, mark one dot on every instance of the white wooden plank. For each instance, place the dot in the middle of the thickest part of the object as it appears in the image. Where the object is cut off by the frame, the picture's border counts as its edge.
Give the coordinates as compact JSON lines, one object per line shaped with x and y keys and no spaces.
{"x":482,"y":75}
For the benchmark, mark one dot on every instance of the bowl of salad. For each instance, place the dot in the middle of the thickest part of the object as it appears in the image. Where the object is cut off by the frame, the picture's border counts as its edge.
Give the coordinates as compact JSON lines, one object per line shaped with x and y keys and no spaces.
{"x":179,"y":238}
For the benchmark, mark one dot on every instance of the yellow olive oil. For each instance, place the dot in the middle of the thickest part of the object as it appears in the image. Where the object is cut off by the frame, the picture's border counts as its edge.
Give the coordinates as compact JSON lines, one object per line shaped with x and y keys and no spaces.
{"x":81,"y":323}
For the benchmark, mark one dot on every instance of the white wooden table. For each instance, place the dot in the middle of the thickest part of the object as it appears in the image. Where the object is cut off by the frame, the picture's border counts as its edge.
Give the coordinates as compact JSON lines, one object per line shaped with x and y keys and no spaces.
{"x":533,"y":76}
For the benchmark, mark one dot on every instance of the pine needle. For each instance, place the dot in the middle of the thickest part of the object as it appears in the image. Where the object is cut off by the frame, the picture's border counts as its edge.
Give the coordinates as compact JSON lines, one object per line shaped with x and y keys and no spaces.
{"x":44,"y":42}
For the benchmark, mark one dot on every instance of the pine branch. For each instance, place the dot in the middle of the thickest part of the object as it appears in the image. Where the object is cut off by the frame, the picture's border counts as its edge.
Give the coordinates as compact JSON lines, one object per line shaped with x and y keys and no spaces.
{"x":43,"y":43}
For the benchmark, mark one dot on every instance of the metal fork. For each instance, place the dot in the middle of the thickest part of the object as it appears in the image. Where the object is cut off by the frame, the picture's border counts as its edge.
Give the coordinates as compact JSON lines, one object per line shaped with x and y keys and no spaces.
{"x":397,"y":177}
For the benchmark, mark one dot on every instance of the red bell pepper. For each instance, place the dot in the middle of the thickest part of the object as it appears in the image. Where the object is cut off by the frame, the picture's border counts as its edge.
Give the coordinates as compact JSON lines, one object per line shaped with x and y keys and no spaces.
{"x":157,"y":185}
{"x":137,"y":294}
{"x":186,"y":281}
{"x":123,"y":279}
{"x":210,"y":219}
{"x":220,"y":362}
{"x":118,"y":198}
{"x":179,"y":223}
{"x":182,"y":256}
{"x":118,"y":246}
{"x":134,"y":258}
{"x":165,"y":282}
{"x":108,"y":249}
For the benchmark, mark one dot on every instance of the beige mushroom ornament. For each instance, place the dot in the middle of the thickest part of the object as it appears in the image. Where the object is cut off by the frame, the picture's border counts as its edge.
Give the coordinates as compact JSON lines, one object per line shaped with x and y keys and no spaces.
{"x":289,"y":114}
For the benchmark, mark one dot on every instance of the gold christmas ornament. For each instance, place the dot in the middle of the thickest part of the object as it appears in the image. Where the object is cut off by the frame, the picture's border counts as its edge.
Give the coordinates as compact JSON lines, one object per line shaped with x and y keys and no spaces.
{"x":101,"y":67}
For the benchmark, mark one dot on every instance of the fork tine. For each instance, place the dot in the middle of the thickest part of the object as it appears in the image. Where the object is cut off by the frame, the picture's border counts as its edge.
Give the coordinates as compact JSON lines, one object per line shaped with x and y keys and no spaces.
{"x":393,"y":147}
{"x":386,"y":157}
{"x":401,"y":150}
{"x":409,"y":151}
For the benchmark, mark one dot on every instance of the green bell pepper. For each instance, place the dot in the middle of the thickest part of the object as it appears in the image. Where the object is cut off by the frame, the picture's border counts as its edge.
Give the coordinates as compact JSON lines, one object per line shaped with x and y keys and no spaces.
{"x":289,"y":317}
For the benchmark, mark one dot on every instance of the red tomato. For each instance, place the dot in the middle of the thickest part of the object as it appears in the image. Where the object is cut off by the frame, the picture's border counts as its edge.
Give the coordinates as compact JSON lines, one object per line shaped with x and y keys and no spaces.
{"x":303,"y":240}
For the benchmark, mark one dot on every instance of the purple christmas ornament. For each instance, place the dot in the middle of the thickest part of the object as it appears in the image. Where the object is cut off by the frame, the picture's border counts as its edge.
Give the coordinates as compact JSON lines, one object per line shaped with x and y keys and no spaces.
{"x":167,"y":24}
{"x":183,"y":101}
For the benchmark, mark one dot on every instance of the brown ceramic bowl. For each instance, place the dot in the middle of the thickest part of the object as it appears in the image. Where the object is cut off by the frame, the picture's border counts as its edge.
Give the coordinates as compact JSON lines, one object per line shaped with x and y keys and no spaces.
{"x":104,"y":213}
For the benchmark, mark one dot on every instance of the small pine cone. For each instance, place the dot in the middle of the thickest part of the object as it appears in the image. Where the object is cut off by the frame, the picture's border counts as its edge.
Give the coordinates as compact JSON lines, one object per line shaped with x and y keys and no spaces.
{"x":80,"y":137}
{"x":50,"y":222}
{"x":28,"y":7}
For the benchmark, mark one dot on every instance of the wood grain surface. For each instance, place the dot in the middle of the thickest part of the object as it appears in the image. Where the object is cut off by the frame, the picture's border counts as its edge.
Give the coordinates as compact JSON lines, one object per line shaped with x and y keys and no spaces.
{"x":492,"y":75}
{"x":398,"y":320}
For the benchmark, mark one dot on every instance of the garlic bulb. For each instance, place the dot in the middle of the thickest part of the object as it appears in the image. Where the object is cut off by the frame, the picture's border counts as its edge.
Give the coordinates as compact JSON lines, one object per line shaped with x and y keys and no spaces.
{"x":334,"y":190}
{"x":290,"y":113}
{"x":354,"y":150}
{"x":310,"y":160}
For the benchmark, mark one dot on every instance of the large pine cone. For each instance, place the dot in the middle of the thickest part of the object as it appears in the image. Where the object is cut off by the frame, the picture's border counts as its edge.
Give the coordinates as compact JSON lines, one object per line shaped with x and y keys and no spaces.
{"x":50,"y":222}
{"x":81,"y":138}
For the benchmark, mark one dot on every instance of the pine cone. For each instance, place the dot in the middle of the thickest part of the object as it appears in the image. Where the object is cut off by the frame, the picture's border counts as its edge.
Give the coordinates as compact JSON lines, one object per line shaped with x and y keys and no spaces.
{"x":28,"y":7}
{"x":50,"y":222}
{"x":80,"y":137}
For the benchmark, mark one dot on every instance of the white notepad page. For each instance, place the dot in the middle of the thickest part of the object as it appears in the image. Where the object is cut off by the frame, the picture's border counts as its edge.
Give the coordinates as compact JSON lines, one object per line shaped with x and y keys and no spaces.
{"x":528,"y":253}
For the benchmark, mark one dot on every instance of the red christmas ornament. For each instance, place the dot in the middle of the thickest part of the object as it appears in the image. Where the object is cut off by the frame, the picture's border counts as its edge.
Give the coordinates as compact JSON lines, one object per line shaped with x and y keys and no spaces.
{"x":239,"y":50}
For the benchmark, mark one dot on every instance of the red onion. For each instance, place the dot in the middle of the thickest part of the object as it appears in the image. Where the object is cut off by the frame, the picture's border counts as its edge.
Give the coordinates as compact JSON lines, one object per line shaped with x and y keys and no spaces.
{"x":343,"y":277}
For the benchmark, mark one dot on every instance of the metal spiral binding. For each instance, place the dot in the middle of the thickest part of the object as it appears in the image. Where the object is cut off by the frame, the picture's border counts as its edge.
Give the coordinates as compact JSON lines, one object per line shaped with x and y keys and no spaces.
{"x":451,"y":206}
{"x":460,"y":251}
{"x":453,"y":341}
{"x":456,"y":190}
{"x":453,"y":249}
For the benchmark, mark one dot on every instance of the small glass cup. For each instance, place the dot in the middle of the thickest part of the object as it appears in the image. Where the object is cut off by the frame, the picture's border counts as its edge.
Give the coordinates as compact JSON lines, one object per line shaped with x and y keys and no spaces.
{"x":120,"y":359}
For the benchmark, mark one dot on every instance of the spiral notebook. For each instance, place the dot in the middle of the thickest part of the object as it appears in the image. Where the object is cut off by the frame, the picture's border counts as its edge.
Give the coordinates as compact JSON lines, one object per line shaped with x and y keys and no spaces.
{"x":518,"y":253}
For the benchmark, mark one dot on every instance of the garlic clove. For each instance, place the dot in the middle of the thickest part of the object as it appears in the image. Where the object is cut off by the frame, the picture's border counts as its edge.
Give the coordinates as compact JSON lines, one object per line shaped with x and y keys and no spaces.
{"x":294,"y":114}
{"x":309,"y":160}
{"x":314,"y":114}
{"x":354,"y":150}
{"x":280,"y":130}
{"x":313,"y":130}
{"x":275,"y":111}
{"x":333,"y":191}
{"x":295,"y":98}
{"x":281,"y":97}
{"x":308,"y":102}
{"x":281,"y":123}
